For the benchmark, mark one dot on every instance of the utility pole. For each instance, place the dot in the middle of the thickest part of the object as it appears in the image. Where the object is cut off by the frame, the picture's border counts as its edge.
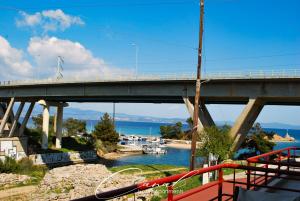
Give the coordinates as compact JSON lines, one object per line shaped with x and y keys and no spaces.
{"x":114,"y":112}
{"x":198,"y":87}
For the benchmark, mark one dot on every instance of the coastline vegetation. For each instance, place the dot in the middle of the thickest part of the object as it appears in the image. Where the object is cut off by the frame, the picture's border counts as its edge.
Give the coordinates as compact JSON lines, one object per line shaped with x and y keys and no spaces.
{"x":257,"y":142}
{"x":215,"y":140}
{"x":105,"y":134}
{"x":24,"y":167}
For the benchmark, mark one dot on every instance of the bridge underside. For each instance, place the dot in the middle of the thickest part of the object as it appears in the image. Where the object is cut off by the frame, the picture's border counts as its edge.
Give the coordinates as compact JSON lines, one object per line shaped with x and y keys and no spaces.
{"x":254,"y":93}
{"x":158,"y":100}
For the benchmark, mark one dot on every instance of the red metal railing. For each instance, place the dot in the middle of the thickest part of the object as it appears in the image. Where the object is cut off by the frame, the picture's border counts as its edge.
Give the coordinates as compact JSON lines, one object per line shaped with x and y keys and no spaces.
{"x":268,"y":174}
{"x":265,"y":160}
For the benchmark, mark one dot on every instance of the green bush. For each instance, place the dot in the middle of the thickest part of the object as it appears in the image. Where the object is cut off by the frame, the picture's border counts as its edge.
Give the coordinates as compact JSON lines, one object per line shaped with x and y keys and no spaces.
{"x":9,"y":165}
{"x":215,"y":140}
{"x":172,"y":131}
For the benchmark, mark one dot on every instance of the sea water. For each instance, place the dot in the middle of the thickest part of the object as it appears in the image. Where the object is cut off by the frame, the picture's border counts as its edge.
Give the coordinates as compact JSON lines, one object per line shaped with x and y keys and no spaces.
{"x":179,"y":157}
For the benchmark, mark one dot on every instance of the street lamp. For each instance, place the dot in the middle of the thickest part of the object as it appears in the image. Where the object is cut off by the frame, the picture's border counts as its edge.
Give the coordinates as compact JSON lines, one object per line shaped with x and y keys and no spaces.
{"x":136,"y":58}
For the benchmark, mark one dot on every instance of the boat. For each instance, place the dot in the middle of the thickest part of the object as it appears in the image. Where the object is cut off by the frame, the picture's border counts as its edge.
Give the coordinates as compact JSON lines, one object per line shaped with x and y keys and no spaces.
{"x":154,"y":148}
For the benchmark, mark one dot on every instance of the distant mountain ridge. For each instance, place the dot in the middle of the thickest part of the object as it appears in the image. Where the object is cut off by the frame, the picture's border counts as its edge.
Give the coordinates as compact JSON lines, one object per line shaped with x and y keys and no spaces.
{"x":96,"y":115}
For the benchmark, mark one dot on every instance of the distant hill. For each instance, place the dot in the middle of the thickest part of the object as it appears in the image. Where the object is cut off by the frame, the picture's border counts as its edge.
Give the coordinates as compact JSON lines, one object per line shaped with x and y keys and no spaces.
{"x":95,"y":115}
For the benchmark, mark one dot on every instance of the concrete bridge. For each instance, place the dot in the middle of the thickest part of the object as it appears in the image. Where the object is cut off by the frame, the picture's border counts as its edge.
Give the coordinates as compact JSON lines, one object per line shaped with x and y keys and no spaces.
{"x":254,"y":92}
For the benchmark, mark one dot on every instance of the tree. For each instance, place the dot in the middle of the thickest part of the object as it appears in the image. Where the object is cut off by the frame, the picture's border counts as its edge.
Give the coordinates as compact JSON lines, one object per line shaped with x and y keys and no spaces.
{"x":172,"y":131}
{"x":38,"y":123}
{"x":75,"y":126}
{"x":105,"y":131}
{"x":190,"y":122}
{"x":257,"y":141}
{"x":215,"y":141}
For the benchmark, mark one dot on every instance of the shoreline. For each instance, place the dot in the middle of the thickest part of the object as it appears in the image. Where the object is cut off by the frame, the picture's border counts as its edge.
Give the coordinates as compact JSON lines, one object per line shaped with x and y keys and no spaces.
{"x":275,"y":141}
{"x":178,"y":145}
{"x":118,"y":155}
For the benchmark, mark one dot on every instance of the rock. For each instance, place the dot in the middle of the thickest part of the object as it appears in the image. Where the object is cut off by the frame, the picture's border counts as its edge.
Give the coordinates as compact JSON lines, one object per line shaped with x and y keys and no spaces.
{"x":13,"y":179}
{"x":75,"y":181}
{"x":278,"y":138}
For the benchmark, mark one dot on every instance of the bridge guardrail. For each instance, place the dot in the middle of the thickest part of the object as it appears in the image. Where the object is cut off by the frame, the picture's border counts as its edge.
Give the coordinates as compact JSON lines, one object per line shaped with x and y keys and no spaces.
{"x":287,"y":73}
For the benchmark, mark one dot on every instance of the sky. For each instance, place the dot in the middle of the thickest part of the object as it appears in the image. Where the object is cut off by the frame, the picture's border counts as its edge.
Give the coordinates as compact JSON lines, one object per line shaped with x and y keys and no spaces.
{"x":100,"y":38}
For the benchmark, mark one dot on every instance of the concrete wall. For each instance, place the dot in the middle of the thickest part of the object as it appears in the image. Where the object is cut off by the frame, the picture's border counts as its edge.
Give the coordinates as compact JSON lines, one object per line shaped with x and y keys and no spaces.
{"x":52,"y":158}
{"x":15,"y":147}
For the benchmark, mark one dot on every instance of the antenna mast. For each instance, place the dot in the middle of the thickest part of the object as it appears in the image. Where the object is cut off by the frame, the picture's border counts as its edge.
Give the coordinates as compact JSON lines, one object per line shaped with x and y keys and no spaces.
{"x":59,"y":70}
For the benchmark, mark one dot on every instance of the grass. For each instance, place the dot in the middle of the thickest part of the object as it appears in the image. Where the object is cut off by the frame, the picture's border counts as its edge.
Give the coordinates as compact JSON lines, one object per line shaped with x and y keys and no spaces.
{"x":150,"y":171}
{"x":24,"y":167}
{"x":157,"y":171}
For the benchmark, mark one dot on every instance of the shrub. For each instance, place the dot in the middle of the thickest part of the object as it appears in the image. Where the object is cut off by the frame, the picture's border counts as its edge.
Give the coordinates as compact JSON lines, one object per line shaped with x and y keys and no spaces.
{"x":257,"y":142}
{"x":25,"y":165}
{"x":9,"y":165}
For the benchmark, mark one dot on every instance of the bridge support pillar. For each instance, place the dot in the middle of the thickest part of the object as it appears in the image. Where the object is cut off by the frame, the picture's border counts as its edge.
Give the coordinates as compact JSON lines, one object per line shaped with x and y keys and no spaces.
{"x":7,"y":115}
{"x":205,"y":119}
{"x":26,"y":118}
{"x":245,"y":121}
{"x":46,"y":118}
{"x":16,"y":119}
{"x":59,"y":125}
{"x":205,"y":116}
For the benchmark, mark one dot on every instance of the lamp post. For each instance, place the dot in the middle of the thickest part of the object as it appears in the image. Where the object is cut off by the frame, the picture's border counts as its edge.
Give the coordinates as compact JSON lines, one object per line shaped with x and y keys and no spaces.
{"x":136,"y":58}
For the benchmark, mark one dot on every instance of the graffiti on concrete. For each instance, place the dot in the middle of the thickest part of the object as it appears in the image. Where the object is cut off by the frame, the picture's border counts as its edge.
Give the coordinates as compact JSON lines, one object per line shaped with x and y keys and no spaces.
{"x":40,"y":159}
{"x":8,"y":149}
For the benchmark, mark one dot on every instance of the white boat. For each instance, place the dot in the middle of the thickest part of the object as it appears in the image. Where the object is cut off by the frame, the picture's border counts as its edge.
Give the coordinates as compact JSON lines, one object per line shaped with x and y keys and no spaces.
{"x":154,"y":148}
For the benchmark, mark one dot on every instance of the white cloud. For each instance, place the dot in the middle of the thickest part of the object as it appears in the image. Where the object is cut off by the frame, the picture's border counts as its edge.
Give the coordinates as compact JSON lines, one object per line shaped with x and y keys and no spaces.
{"x":12,"y":62}
{"x":79,"y":62}
{"x":29,"y":20}
{"x":48,"y":20}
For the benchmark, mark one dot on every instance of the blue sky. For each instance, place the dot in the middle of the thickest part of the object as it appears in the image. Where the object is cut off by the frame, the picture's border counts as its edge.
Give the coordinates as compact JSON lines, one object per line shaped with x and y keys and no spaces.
{"x":239,"y":35}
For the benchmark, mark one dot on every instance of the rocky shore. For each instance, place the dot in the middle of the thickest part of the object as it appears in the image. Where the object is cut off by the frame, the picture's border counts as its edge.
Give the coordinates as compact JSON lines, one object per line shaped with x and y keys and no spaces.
{"x":278,"y":138}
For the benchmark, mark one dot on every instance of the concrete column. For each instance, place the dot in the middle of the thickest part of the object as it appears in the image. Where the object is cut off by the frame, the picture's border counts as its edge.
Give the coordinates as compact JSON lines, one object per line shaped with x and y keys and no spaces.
{"x":190,"y":108}
{"x":245,"y":122}
{"x":7,"y":115}
{"x":205,"y":116}
{"x":59,"y":125}
{"x":205,"y":119}
{"x":55,"y":122}
{"x":26,"y":118}
{"x":45,"y":133}
{"x":16,"y":119}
